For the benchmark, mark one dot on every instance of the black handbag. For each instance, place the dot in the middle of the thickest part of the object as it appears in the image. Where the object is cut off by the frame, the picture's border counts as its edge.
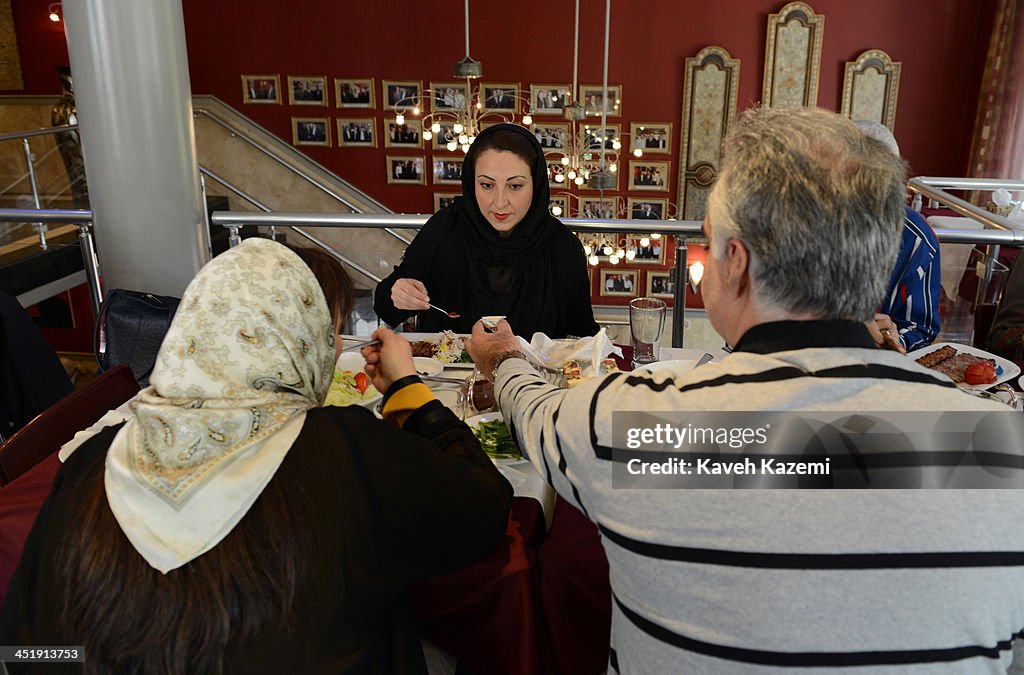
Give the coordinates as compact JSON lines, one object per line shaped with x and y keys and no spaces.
{"x":130,"y":329}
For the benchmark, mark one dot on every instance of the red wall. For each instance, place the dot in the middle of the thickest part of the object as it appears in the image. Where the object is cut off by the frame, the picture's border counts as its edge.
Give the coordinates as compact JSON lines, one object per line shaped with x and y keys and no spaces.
{"x":941,"y":44}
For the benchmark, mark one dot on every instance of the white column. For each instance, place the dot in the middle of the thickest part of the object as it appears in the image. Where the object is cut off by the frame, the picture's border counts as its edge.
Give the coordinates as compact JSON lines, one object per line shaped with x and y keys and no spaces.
{"x":134,"y":99}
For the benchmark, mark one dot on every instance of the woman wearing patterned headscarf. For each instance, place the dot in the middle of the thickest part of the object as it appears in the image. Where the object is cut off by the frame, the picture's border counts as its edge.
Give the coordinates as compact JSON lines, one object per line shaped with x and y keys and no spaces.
{"x":496,"y":251}
{"x":234,"y":525}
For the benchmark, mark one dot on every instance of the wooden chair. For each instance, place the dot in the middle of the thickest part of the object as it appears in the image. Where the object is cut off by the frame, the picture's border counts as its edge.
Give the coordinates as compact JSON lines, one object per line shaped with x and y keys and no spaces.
{"x":57,"y":425}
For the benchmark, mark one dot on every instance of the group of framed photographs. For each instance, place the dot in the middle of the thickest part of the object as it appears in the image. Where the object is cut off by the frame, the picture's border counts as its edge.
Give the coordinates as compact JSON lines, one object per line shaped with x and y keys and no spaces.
{"x":619,"y":282}
{"x":406,"y":170}
{"x":360,"y":92}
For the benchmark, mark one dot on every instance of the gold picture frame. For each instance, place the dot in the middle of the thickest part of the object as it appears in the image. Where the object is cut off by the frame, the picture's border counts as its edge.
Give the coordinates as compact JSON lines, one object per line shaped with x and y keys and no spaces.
{"x":357,"y":132}
{"x":616,"y":282}
{"x":592,"y":96}
{"x":408,"y":135}
{"x":354,"y":92}
{"x":394,"y":93}
{"x":652,"y":138}
{"x":406,"y":170}
{"x":307,"y":90}
{"x":500,"y":97}
{"x":648,"y":175}
{"x":443,"y":200}
{"x":447,"y":170}
{"x":311,"y":131}
{"x":261,"y":89}
{"x":550,"y":99}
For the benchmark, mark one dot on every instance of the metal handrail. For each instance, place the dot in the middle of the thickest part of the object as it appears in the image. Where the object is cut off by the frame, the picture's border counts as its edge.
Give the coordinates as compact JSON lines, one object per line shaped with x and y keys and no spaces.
{"x":78,"y":217}
{"x":197,"y":111}
{"x":298,"y":230}
{"x":17,"y":135}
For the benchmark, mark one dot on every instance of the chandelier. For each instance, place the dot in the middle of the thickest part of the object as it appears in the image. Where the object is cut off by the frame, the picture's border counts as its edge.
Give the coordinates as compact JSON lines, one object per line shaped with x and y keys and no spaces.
{"x":589,"y":156}
{"x":458,"y":113}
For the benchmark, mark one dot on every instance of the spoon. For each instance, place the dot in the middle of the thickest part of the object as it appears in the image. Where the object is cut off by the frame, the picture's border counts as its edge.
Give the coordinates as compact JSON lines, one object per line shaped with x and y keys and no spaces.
{"x":450,"y":315}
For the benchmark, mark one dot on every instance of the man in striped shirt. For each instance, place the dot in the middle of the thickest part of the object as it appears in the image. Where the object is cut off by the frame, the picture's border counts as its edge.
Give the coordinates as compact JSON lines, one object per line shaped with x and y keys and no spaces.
{"x":803,"y":226}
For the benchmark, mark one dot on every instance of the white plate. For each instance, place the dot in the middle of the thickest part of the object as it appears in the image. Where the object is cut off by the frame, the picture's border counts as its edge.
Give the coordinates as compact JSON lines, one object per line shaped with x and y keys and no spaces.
{"x":476,"y":420}
{"x":433,"y":337}
{"x":677,"y":367}
{"x":1005,"y":370}
{"x":355,"y":362}
{"x":426,"y":366}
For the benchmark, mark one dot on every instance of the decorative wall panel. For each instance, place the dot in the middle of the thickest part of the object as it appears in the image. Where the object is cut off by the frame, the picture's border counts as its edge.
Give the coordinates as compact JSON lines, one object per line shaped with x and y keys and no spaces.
{"x":871,"y":87}
{"x":792,"y":57}
{"x":10,"y":62}
{"x":709,"y":105}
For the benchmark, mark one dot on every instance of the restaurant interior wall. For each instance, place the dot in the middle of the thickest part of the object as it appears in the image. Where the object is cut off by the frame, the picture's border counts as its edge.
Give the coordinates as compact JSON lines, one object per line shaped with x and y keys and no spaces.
{"x":940,"y":43}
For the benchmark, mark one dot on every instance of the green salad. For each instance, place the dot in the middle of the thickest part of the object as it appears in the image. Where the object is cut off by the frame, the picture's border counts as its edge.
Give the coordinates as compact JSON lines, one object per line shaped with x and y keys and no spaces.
{"x":496,"y":440}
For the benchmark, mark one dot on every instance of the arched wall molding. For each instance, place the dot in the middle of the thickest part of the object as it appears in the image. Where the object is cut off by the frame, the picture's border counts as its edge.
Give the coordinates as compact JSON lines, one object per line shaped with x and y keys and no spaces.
{"x":792,"y":57}
{"x":709,"y":106}
{"x":871,"y":88}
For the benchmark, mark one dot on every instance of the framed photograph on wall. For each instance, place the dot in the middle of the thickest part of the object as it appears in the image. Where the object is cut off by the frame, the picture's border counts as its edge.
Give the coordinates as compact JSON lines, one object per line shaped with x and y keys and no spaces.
{"x":644,"y":175}
{"x":501,"y":96}
{"x":651,"y":137}
{"x":661,"y":283}
{"x":596,"y":136}
{"x":562,"y":204}
{"x":357,"y":132}
{"x":311,"y":131}
{"x":448,"y":170}
{"x":586,"y":186}
{"x":549,"y":99}
{"x":400,"y":92}
{"x":620,"y":283}
{"x":647,"y":209}
{"x":354,"y":93}
{"x":406,"y":170}
{"x":261,"y":89}
{"x":551,"y":135}
{"x":599,"y":208}
{"x":448,"y":95}
{"x":307,"y":90}
{"x":651,"y":254}
{"x":408,"y":135}
{"x":552,"y":172}
{"x":443,"y":200}
{"x":592,"y":98}
{"x":439,"y":139}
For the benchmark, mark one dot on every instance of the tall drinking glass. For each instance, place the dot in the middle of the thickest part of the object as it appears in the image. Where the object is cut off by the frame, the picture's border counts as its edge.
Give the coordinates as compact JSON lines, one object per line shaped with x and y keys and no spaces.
{"x":646,"y":326}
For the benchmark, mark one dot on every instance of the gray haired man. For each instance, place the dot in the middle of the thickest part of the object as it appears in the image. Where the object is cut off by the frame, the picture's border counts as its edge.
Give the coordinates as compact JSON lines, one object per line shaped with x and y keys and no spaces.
{"x":803,"y":226}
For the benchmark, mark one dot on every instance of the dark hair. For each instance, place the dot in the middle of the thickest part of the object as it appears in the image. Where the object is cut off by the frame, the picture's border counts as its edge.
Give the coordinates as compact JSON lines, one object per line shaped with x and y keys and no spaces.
{"x":505,"y":140}
{"x":334,"y":280}
{"x":136,"y":620}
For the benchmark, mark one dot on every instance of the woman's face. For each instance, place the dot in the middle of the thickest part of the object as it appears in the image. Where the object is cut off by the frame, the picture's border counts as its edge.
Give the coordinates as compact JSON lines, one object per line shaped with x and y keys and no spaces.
{"x":504,"y":188}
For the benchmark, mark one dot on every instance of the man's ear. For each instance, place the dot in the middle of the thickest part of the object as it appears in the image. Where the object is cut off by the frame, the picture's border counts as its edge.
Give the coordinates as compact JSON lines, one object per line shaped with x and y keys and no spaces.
{"x":737,"y":259}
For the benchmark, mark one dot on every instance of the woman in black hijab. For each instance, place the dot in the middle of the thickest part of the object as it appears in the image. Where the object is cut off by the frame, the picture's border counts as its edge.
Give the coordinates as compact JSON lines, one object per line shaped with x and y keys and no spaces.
{"x":495,"y":251}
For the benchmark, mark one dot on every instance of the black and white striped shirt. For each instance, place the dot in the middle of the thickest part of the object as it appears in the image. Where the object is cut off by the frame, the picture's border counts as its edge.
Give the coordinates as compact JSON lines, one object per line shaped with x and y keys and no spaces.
{"x":782,"y":581}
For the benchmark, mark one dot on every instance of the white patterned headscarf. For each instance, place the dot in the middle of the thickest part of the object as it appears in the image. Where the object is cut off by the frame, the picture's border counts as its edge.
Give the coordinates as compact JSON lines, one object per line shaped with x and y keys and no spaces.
{"x":250,"y":350}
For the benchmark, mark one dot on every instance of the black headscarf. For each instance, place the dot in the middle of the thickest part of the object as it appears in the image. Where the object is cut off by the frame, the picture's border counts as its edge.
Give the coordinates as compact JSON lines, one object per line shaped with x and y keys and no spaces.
{"x":531,"y":235}
{"x":511,"y":273}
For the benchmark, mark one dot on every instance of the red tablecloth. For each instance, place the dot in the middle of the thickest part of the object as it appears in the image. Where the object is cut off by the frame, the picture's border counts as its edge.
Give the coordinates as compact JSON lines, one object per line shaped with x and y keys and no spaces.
{"x":19,"y":502}
{"x":486,"y":614}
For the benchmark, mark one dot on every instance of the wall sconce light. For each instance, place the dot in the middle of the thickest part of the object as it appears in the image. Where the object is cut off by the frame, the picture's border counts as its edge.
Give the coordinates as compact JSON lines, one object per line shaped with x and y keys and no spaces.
{"x":696,"y":273}
{"x":54,"y":10}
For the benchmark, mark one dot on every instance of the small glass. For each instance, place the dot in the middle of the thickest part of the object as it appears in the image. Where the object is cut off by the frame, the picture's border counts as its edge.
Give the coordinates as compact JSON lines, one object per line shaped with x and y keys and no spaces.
{"x":646,"y":326}
{"x":476,"y":396}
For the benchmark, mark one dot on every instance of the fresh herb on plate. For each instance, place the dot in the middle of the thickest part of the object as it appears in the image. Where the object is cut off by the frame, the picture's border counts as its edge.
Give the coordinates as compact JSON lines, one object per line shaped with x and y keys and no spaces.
{"x":496,"y":440}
